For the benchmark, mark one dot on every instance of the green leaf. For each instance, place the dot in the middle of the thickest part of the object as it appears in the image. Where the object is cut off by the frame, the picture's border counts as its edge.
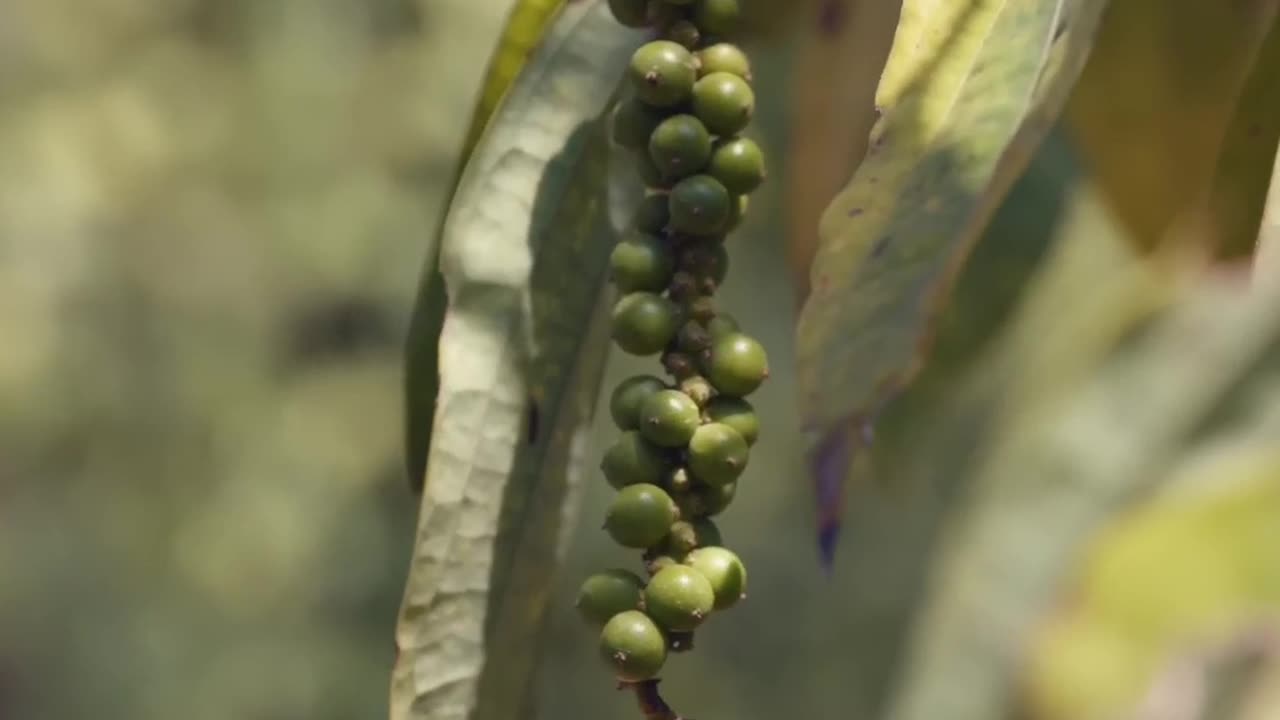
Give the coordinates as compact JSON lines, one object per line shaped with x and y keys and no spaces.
{"x":1090,"y":418}
{"x":969,"y":91}
{"x":1152,"y":114}
{"x":521,"y":355}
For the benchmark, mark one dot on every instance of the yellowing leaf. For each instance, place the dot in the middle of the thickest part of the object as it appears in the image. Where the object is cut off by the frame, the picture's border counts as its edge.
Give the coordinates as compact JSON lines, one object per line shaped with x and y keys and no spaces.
{"x":969,"y":90}
{"x":1153,"y":106}
{"x":524,"y":29}
{"x":521,"y":355}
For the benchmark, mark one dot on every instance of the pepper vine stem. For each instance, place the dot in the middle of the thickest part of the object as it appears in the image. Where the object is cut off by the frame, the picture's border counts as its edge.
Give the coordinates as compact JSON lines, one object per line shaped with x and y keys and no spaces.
{"x":650,"y":700}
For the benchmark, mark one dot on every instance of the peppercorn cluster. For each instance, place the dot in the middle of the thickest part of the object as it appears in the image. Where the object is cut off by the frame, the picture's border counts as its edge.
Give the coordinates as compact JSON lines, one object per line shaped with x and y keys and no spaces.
{"x":685,"y":440}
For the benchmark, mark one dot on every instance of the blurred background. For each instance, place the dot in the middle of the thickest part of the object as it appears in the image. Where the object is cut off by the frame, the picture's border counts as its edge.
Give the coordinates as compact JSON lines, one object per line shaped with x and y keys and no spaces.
{"x":212,"y":219}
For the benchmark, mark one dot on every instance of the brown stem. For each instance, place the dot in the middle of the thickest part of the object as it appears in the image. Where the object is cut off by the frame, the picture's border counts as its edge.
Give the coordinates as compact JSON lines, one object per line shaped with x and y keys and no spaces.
{"x":651,"y":703}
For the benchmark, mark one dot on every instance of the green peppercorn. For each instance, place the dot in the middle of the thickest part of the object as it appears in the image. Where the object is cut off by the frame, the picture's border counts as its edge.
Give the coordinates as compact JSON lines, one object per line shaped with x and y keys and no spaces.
{"x":640,"y":516}
{"x":717,"y":17}
{"x":737,"y":211}
{"x":633,"y":123}
{"x":641,"y":262}
{"x":722,"y":324}
{"x":608,"y":593}
{"x":632,"y":460}
{"x":649,"y":173}
{"x":652,"y":214}
{"x":699,"y":205}
{"x":737,"y":364}
{"x":628,"y":396}
{"x":644,"y":323}
{"x":738,"y":164}
{"x":724,"y":102}
{"x":668,"y":418}
{"x":737,"y":414}
{"x":725,"y":572}
{"x":680,"y":146}
{"x":685,"y":536}
{"x":663,"y":73}
{"x":712,"y":501}
{"x":655,"y":564}
{"x":717,"y":454}
{"x":683,"y":32}
{"x":679,"y":598}
{"x":723,"y":57}
{"x":631,"y":13}
{"x":632,"y":646}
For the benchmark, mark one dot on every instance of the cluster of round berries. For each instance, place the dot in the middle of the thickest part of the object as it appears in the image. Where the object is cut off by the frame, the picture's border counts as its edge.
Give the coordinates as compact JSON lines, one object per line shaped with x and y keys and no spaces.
{"x":684,"y":442}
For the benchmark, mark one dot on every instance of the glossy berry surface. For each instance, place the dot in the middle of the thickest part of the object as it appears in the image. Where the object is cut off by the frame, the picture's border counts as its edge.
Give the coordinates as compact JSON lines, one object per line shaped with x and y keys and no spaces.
{"x":662,"y":73}
{"x":699,"y":205}
{"x":738,"y":164}
{"x":724,"y":570}
{"x":724,"y":102}
{"x":680,"y":146}
{"x":608,"y":593}
{"x":632,"y":460}
{"x":669,"y":418}
{"x":723,"y":57}
{"x":737,"y":364}
{"x":633,"y":124}
{"x":643,"y":323}
{"x":707,"y":501}
{"x":640,"y":516}
{"x":717,"y":454}
{"x":679,"y":598}
{"x":628,"y":396}
{"x":632,"y":646}
{"x":641,"y":262}
{"x":737,"y":414}
{"x":721,"y":325}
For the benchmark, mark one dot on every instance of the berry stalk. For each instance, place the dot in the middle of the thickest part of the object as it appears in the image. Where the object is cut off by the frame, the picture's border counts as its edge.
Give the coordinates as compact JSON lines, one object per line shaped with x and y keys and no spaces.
{"x":685,"y":439}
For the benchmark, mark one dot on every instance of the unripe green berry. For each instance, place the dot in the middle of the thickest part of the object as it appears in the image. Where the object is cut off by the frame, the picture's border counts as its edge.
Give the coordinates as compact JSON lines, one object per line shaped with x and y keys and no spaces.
{"x":631,"y":13}
{"x":680,"y":146}
{"x":699,"y":205}
{"x":633,"y":124}
{"x":640,"y":516}
{"x":608,"y":593}
{"x":655,"y":565}
{"x":641,"y":262}
{"x":632,"y":646}
{"x":721,"y":325}
{"x":628,"y":396}
{"x":644,"y":323}
{"x":738,"y":164}
{"x":632,"y":460}
{"x":724,"y":102}
{"x":737,"y":364}
{"x":649,"y":173}
{"x":668,"y":418}
{"x":663,"y":73}
{"x":683,"y":32}
{"x":724,"y":570}
{"x":652,"y":214}
{"x":685,"y":536}
{"x":679,"y":598}
{"x":723,"y":57}
{"x":737,"y":211}
{"x":717,"y":454}
{"x":717,"y":17}
{"x":706,"y":501}
{"x":737,"y":414}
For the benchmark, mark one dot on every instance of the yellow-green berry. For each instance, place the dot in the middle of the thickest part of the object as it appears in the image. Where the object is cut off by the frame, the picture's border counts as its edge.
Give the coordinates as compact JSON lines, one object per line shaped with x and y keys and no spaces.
{"x":737,"y":364}
{"x":644,"y":323}
{"x":669,"y":418}
{"x":724,"y":570}
{"x":738,"y":164}
{"x":737,"y":414}
{"x":640,"y":516}
{"x":632,"y":646}
{"x":724,"y":102}
{"x":717,"y":454}
{"x":679,"y":598}
{"x":662,"y":73}
{"x":632,"y":460}
{"x":608,"y":593}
